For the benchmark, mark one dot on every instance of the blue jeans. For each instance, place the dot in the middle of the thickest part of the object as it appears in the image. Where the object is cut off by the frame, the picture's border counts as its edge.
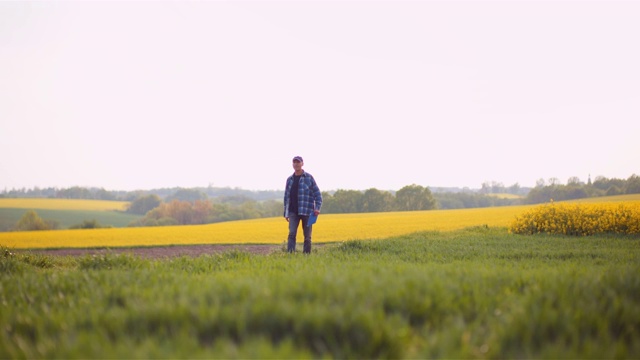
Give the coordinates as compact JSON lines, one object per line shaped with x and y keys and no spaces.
{"x":294,"y":221}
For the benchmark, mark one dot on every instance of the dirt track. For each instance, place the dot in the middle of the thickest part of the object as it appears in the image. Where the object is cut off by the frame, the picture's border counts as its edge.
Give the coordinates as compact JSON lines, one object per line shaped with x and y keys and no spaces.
{"x":166,"y":251}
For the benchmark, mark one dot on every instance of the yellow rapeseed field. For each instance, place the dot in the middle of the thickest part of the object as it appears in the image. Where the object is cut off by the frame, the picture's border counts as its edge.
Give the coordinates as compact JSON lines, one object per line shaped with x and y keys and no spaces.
{"x":63,"y":204}
{"x":330,"y":228}
{"x":581,"y":219}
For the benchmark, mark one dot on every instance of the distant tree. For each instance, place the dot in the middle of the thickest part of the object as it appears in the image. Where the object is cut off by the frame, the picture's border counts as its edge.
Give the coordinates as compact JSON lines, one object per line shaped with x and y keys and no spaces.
{"x":30,"y":221}
{"x":414,"y":197}
{"x":180,"y":211}
{"x":75,"y":192}
{"x":206,"y":211}
{"x":250,"y":210}
{"x":613,"y":190}
{"x":133,"y":195}
{"x":347,"y":201}
{"x":328,"y":205}
{"x":539,"y":194}
{"x":492,"y":187}
{"x":497,"y":187}
{"x":272,"y":208}
{"x":604,"y":184}
{"x":102,"y":194}
{"x":556,"y":192}
{"x":574,"y":180}
{"x":144,"y":204}
{"x":451,"y":200}
{"x":540,"y":183}
{"x":514,"y":189}
{"x":553,"y":181}
{"x":485,"y":188}
{"x":190,"y":195}
{"x":633,"y":185}
{"x":572,"y":192}
{"x":201,"y":211}
{"x":601,"y":182}
{"x":89,"y":224}
{"x":234,"y":199}
{"x":374,"y":200}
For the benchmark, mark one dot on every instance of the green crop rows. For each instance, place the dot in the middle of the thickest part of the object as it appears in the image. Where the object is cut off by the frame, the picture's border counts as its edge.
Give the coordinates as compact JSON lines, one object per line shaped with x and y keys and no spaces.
{"x":475,"y":293}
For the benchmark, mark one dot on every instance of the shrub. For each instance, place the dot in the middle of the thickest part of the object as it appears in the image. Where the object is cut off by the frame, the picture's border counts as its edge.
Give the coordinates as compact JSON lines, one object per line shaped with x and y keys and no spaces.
{"x":579,"y":219}
{"x":89,"y":224}
{"x":30,"y":221}
{"x":144,"y":204}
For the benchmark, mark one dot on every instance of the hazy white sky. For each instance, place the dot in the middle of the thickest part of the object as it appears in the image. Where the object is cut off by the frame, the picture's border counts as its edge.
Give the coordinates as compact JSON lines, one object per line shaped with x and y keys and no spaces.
{"x":141,"y":95}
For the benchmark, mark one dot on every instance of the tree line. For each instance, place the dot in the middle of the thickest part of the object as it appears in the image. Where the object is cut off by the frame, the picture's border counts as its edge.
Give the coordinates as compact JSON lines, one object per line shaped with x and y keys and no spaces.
{"x":190,"y":206}
{"x":576,"y":189}
{"x":178,"y":211}
{"x":180,"y":206}
{"x":409,"y":198}
{"x":93,"y":193}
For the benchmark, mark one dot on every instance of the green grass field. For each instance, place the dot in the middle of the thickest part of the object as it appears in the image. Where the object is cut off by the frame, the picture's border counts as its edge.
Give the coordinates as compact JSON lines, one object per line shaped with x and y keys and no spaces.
{"x":66,"y":218}
{"x":66,"y":212}
{"x":473,"y":293}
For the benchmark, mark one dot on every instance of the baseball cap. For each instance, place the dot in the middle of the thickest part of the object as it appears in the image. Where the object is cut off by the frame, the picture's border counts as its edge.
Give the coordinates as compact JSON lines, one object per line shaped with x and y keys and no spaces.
{"x":299,"y":158}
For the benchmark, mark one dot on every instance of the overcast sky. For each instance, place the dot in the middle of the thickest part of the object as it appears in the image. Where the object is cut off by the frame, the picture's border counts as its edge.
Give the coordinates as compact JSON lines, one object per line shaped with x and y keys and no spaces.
{"x":141,"y":95}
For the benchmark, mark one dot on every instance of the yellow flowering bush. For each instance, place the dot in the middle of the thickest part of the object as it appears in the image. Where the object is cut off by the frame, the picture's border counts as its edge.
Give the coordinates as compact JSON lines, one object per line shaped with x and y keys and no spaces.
{"x":579,"y":219}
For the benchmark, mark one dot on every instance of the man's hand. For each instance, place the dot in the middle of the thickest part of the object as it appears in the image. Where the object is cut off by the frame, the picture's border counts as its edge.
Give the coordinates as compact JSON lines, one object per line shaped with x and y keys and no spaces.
{"x":286,"y":218}
{"x":316,"y":212}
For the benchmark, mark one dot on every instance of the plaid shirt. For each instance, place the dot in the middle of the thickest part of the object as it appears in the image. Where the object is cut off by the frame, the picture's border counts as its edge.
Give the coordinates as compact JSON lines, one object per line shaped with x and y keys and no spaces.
{"x":309,"y":196}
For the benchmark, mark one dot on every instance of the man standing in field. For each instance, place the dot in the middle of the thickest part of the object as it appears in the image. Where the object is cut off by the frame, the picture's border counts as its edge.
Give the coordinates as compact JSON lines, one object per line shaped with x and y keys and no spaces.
{"x":302,"y":198}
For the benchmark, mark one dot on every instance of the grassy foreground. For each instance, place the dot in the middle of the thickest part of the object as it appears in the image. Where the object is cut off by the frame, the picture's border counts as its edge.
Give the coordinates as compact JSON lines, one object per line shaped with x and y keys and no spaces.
{"x":472,"y":293}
